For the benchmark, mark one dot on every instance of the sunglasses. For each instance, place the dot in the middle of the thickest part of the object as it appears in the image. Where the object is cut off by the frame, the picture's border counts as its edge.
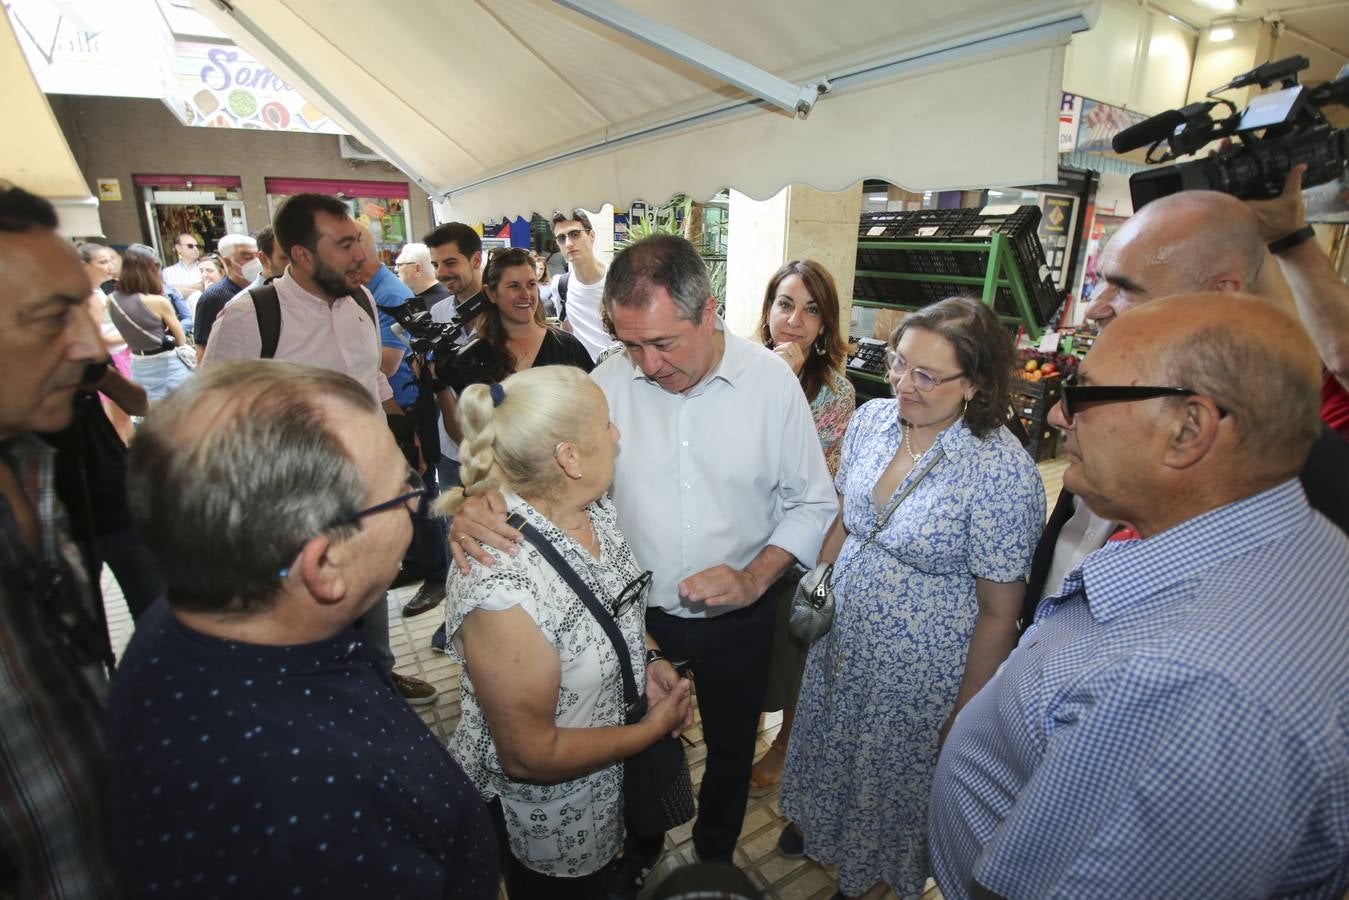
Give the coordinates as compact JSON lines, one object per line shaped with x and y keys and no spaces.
{"x":1077,"y":397}
{"x":564,"y":237}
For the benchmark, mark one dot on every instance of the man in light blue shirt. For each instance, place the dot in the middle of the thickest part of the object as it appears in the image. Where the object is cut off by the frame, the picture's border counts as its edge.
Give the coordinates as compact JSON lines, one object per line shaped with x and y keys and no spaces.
{"x":1172,"y":722}
{"x":720,"y":486}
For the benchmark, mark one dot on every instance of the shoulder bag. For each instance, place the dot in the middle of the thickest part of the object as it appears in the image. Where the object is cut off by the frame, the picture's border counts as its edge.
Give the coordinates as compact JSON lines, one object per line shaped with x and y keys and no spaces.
{"x":187,"y":355}
{"x":812,"y":610}
{"x":657,"y":789}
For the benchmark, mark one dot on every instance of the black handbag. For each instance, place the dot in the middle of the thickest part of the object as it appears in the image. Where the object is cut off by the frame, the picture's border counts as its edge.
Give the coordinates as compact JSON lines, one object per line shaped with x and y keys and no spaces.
{"x":657,"y":789}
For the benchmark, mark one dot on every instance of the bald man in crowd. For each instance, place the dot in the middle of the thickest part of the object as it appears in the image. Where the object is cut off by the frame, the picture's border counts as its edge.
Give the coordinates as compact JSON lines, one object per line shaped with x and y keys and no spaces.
{"x":1173,"y":720}
{"x":1187,"y":242}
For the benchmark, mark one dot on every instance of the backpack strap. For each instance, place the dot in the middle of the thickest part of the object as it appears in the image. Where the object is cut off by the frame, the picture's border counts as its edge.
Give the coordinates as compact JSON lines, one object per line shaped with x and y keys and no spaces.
{"x":562,"y":296}
{"x":267,"y":309}
{"x":364,"y":303}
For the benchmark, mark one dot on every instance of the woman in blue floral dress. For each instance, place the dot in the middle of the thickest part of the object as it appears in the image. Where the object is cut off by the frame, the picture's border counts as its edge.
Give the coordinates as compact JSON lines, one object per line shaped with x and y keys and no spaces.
{"x":926,"y":608}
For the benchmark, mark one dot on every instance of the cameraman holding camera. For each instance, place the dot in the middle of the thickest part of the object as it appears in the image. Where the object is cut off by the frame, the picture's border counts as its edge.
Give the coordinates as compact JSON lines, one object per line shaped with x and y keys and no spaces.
{"x":1319,"y":297}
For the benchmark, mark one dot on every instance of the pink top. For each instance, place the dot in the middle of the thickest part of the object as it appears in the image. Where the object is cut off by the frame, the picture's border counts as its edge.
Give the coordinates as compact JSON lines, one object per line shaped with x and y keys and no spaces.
{"x":339,"y":337}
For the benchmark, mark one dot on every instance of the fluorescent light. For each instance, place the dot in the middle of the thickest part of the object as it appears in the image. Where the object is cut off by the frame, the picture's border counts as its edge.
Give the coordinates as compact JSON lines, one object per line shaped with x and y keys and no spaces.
{"x":1221,"y":5}
{"x":878,"y":198}
{"x":1221,"y":33}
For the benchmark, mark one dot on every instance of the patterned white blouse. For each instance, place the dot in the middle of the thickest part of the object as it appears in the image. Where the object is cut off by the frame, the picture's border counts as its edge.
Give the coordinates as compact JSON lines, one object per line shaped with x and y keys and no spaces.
{"x":574,"y":827}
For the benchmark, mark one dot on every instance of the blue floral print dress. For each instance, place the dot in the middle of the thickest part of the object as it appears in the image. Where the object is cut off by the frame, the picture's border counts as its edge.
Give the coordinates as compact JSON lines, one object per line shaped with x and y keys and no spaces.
{"x":881,"y":682}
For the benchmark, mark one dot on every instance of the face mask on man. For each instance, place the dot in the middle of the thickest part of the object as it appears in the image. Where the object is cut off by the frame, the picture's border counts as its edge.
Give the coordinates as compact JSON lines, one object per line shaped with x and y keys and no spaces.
{"x":252,"y":269}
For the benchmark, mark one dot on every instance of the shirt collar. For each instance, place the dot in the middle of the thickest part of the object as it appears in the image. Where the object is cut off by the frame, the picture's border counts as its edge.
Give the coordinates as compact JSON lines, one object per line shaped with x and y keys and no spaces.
{"x":340,"y":649}
{"x":379,"y":284}
{"x":1123,"y":574}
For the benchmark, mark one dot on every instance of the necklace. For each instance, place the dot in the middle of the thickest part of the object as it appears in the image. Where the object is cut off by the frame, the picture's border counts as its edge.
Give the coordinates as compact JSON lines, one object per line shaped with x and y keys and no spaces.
{"x":908,"y":446}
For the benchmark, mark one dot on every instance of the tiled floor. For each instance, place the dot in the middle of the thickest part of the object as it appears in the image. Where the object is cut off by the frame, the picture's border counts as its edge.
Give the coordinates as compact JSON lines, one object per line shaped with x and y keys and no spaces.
{"x":787,"y":879}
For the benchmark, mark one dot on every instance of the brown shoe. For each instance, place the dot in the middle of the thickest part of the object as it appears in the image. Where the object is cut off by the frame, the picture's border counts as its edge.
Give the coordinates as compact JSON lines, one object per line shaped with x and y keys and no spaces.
{"x":415,"y":691}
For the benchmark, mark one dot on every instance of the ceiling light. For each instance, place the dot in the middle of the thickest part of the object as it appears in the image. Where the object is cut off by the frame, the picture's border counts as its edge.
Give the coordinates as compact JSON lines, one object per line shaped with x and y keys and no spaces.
{"x":1221,"y":33}
{"x":1220,"y":5}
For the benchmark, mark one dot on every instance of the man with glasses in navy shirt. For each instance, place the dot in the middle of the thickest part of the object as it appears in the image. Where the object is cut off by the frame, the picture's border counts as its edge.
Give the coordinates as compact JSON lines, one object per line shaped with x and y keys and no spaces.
{"x":259,"y":746}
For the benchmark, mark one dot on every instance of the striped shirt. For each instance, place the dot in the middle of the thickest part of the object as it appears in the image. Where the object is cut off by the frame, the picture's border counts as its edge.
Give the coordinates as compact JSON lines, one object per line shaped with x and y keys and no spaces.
{"x":54,"y":832}
{"x":1172,"y":722}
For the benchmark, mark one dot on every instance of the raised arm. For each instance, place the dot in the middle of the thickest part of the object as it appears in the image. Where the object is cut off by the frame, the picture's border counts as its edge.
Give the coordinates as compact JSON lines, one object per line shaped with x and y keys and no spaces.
{"x":1321,"y":297}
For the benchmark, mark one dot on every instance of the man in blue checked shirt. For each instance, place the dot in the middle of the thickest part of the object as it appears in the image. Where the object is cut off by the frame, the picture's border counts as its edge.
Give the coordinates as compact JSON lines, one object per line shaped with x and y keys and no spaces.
{"x":1173,"y":721}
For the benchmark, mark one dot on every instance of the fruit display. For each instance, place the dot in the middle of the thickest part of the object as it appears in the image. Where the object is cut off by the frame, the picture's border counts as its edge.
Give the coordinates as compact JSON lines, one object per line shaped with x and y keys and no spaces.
{"x":1037,"y":366}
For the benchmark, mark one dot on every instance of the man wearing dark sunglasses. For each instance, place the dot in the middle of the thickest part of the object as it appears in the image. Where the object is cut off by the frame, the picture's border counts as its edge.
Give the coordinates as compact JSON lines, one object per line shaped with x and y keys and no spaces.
{"x":1175,"y":714}
{"x":258,"y":741}
{"x":1188,"y":242}
{"x":184,"y":274}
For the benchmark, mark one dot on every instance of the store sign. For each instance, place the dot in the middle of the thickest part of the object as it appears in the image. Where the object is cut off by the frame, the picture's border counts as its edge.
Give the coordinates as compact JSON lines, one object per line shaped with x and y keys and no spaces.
{"x":1070,"y":114}
{"x":94,"y":48}
{"x":221,"y":86}
{"x":1100,"y":122}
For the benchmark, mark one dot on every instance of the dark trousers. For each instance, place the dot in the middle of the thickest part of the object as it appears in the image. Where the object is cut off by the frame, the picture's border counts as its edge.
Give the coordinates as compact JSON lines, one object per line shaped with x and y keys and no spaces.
{"x":131,"y":564}
{"x":429,"y":553}
{"x":525,"y":884}
{"x":729,"y":657}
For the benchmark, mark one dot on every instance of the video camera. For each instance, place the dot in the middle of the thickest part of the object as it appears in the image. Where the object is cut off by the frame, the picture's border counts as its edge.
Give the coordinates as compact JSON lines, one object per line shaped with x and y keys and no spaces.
{"x":456,"y":362}
{"x":1277,"y":131}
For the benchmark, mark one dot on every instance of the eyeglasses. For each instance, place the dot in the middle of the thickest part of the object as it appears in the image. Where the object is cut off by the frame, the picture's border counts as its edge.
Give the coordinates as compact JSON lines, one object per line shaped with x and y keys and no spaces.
{"x":633,"y":594}
{"x":416,"y":491}
{"x":923,"y":380}
{"x":1077,"y":397}
{"x":564,"y":237}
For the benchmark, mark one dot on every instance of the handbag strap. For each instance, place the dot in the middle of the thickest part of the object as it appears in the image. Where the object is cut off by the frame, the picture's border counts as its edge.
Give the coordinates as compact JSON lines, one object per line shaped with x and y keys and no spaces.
{"x":631,"y":698}
{"x":906,"y":491}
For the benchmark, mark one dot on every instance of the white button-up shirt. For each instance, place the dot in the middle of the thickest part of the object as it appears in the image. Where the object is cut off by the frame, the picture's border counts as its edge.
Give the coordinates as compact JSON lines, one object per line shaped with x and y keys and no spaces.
{"x":715,"y":475}
{"x":339,"y":336}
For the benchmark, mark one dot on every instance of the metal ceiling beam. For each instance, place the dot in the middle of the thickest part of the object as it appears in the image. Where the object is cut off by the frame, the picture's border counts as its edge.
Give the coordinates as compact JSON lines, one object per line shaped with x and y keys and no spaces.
{"x":797,"y":99}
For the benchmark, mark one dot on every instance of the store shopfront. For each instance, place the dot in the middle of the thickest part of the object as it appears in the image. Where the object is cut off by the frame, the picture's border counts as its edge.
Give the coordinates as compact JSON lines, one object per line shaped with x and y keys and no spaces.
{"x":381,"y":206}
{"x":207,"y":207}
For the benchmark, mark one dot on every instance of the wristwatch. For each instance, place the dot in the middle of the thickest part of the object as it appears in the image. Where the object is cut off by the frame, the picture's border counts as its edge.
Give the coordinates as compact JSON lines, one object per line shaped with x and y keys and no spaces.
{"x":653,"y":655}
{"x":1289,"y":241}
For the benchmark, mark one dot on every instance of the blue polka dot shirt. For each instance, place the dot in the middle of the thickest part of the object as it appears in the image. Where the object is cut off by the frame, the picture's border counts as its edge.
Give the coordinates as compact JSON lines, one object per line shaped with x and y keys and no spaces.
{"x":248,"y":771}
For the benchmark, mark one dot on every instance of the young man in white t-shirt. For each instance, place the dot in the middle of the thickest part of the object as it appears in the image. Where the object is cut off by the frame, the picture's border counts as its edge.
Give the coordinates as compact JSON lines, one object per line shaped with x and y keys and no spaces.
{"x":577,"y":292}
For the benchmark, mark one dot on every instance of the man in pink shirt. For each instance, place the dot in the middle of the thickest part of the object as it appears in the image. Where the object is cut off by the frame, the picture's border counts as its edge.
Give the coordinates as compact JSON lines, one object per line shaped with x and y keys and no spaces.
{"x":327,"y":319}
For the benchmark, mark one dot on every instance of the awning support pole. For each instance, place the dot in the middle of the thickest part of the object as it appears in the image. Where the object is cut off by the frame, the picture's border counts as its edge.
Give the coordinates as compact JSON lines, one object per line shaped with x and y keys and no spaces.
{"x":797,"y":99}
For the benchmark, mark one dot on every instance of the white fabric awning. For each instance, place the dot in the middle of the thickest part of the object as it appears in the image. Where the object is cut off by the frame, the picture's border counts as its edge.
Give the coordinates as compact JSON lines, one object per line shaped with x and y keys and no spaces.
{"x":511,"y":106}
{"x":37,"y":158}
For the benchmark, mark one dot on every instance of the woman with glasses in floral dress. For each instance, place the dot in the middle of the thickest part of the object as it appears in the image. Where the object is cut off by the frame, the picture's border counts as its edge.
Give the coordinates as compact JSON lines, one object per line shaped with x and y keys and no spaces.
{"x":926,"y":600}
{"x":542,"y":731}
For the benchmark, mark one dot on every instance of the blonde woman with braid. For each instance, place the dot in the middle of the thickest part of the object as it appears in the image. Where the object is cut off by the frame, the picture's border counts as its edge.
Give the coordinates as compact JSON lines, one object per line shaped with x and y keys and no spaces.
{"x":541,"y":732}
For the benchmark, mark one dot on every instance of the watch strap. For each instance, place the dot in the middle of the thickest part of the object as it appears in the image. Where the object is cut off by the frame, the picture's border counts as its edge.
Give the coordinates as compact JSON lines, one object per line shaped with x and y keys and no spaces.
{"x":1289,"y":241}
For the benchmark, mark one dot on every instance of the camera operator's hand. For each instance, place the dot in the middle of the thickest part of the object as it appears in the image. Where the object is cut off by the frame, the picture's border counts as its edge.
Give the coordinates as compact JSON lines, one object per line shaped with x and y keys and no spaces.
{"x":1284,"y":214}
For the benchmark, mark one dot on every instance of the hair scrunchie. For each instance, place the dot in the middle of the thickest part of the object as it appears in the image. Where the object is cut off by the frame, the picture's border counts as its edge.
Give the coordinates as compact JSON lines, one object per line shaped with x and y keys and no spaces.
{"x":498,"y":394}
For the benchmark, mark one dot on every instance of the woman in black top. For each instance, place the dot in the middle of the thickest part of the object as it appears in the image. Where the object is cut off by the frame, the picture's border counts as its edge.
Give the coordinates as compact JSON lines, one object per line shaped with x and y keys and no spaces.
{"x":514,"y":323}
